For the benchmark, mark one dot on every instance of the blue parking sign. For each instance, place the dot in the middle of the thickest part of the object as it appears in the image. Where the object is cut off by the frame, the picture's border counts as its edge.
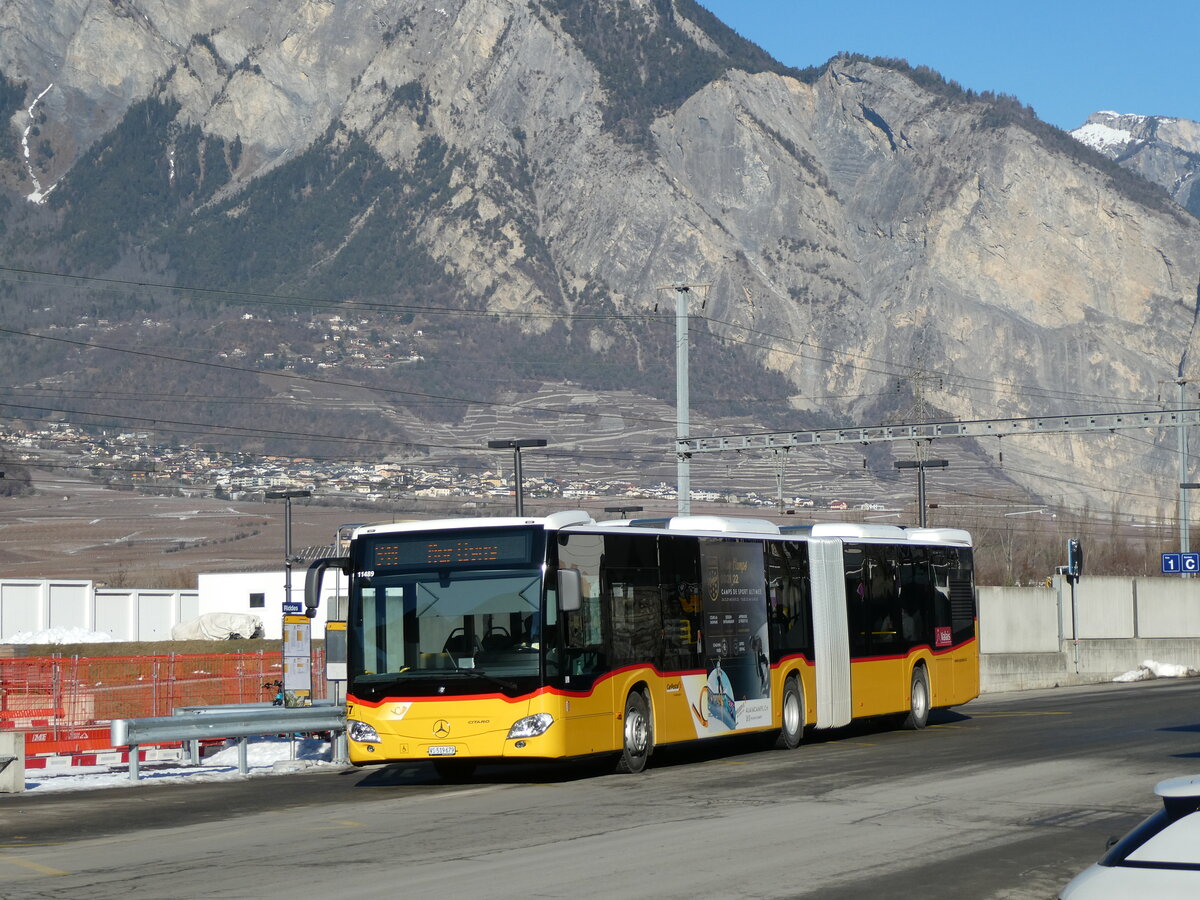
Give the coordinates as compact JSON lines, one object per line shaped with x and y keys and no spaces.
{"x":1171,"y":564}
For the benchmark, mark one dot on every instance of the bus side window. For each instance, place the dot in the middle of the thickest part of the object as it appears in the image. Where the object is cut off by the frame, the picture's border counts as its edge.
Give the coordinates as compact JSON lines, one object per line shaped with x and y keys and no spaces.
{"x":942,"y":562}
{"x":636,"y":608}
{"x":872,"y":598}
{"x":855,"y":567}
{"x":916,"y":597}
{"x":580,"y":632}
{"x":962,"y":594}
{"x":884,"y":594}
{"x":632,"y":605}
{"x":790,"y":599}
{"x":679,"y":559}
{"x":583,"y":653}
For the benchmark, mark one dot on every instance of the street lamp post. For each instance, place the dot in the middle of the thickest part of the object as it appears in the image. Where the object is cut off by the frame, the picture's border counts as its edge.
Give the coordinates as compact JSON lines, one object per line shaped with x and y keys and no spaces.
{"x":286,"y":497}
{"x":516,"y":444}
{"x":921,"y":465}
{"x":297,"y":631}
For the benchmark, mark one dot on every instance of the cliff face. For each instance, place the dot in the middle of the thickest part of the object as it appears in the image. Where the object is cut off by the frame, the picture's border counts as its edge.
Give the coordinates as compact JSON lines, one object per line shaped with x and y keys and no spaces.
{"x":870,"y":233}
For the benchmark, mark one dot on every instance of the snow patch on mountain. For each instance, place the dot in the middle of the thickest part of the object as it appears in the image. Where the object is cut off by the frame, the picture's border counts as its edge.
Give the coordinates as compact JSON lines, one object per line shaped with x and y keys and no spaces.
{"x":1110,"y":132}
{"x":1103,"y":137}
{"x":37,"y":195}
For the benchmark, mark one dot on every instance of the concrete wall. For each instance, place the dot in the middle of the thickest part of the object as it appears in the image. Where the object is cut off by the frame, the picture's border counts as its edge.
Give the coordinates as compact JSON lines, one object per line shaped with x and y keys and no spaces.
{"x":1106,"y":607}
{"x":1018,"y":620}
{"x":1028,"y":638}
{"x":1168,"y":607}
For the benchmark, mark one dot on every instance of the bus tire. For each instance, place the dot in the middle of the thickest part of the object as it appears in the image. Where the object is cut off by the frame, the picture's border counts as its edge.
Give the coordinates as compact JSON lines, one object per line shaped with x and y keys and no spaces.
{"x":454,"y":770}
{"x":918,"y":700}
{"x":793,"y":716}
{"x":637,"y":732}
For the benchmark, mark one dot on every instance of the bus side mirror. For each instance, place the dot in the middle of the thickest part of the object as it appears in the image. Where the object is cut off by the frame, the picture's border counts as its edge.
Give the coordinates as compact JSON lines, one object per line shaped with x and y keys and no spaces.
{"x":312,"y":580}
{"x":570,"y":590}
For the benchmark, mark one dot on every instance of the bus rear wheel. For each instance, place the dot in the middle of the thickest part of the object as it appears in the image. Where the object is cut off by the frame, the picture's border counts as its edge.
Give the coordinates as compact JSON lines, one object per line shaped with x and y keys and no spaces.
{"x":637,"y":735}
{"x":793,"y":715}
{"x":919,"y":700}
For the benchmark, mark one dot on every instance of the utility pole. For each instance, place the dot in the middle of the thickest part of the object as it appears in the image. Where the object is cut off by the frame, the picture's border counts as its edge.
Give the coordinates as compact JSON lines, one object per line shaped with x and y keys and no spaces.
{"x":1184,"y":537}
{"x":922,"y":381}
{"x":683,"y":471}
{"x":779,"y":457}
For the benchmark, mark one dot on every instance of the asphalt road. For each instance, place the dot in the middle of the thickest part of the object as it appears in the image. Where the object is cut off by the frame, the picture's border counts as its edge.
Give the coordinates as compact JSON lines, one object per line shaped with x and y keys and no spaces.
{"x":1007,"y":797}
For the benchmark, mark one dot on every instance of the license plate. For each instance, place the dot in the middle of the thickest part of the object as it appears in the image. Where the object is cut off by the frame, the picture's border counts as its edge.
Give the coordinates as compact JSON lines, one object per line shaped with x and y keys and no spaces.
{"x":443,"y":750}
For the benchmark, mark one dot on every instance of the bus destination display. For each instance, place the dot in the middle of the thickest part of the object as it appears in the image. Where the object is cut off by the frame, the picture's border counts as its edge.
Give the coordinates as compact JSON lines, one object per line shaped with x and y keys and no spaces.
{"x":465,"y":549}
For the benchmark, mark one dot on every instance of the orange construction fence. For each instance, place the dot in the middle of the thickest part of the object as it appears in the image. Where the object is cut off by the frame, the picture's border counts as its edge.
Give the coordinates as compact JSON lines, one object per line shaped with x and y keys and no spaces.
{"x":66,"y":704}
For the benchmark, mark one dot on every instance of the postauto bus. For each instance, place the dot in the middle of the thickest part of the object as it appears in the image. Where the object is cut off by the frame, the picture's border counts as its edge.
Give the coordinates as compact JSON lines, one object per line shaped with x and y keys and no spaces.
{"x":493,"y":639}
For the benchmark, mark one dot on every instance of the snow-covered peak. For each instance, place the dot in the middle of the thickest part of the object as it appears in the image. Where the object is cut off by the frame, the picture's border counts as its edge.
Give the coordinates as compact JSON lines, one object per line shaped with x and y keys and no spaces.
{"x":1162,"y":149}
{"x":1118,"y":134}
{"x":1102,"y":137}
{"x":1110,"y":132}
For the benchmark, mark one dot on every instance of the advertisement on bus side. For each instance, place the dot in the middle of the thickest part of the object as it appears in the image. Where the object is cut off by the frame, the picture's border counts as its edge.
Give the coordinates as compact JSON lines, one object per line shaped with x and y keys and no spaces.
{"x":735,"y":692}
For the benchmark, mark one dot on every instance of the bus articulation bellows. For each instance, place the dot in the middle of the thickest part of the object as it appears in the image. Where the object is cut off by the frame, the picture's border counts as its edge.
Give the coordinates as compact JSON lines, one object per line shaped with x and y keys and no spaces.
{"x":491,"y":639}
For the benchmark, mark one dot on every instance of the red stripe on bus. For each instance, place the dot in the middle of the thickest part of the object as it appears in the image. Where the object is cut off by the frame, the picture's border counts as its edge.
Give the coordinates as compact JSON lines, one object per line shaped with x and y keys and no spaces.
{"x":894,"y":656}
{"x":558,"y":691}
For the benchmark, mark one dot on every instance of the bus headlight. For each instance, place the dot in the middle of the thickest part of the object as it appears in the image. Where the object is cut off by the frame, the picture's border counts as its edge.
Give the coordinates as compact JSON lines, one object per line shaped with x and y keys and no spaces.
{"x":361,"y":732}
{"x":530,"y":726}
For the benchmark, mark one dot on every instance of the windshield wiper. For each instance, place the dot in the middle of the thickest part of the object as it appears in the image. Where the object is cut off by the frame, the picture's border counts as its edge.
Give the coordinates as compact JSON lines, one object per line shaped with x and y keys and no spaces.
{"x":507,"y":685}
{"x":433,"y":674}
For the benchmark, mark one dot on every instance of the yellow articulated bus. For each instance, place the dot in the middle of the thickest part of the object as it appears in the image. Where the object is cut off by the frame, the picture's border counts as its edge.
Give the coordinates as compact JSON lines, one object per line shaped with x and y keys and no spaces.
{"x":486,"y":640}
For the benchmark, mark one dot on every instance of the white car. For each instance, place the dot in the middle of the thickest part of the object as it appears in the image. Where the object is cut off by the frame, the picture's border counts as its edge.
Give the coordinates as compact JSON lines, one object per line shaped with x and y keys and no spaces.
{"x":1159,"y":859}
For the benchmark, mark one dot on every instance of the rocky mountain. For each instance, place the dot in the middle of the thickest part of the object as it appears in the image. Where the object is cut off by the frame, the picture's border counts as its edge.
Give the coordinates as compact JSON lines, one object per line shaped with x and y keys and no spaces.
{"x":1162,"y":150}
{"x":498,"y":195}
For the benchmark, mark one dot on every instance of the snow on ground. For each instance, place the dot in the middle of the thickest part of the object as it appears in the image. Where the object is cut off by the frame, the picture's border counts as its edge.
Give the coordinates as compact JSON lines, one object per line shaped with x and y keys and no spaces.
{"x":59,"y":636}
{"x":264,"y":756}
{"x":1150,"y":670}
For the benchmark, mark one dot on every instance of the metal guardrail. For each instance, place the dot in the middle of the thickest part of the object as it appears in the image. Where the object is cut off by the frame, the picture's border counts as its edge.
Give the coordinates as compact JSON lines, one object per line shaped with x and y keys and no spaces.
{"x":339,"y":747}
{"x":242,"y":707}
{"x":208,"y":723}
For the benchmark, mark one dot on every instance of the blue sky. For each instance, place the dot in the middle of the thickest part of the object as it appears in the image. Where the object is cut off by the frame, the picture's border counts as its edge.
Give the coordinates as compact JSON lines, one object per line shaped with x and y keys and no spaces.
{"x":1065,"y":58}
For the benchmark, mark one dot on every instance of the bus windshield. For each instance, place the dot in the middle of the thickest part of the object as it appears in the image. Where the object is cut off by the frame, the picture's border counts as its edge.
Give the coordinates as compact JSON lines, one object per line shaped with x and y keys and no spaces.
{"x":475,"y":621}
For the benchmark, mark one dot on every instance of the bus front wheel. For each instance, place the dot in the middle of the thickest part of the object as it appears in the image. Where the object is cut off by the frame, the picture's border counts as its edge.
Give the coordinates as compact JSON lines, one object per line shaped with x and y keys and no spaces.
{"x":637,"y":735}
{"x":793,"y":715}
{"x":919,"y":700}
